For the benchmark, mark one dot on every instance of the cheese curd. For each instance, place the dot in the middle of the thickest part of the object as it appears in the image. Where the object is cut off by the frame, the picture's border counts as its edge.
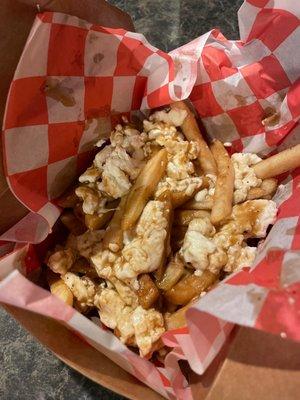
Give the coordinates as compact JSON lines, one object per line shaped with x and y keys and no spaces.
{"x":199,"y":248}
{"x":245,"y":177}
{"x":186,"y":186}
{"x":103,"y":261}
{"x":254,"y":216}
{"x":110,"y":304}
{"x":173,"y":117}
{"x":239,"y":257}
{"x":205,"y":194}
{"x":148,"y":328}
{"x":61,"y":261}
{"x":143,"y":254}
{"x":89,"y":243}
{"x":83,"y":288}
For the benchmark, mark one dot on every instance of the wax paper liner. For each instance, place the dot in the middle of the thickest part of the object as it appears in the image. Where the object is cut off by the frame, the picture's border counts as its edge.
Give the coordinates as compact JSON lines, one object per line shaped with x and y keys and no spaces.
{"x":102,"y":73}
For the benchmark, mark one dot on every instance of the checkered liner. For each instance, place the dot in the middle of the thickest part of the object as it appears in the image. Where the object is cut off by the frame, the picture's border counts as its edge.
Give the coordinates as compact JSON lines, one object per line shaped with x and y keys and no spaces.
{"x":102,"y":73}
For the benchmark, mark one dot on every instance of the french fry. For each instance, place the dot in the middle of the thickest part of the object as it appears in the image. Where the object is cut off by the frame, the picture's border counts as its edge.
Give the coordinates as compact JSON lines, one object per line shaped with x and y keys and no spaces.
{"x":193,"y":204}
{"x":192,"y":132}
{"x":73,"y":224}
{"x":275,"y":165}
{"x":58,"y":288}
{"x":177,"y":319}
{"x":190,"y":287}
{"x":68,"y":199}
{"x":113,"y":237}
{"x":173,"y":273}
{"x":184,"y":217}
{"x":143,"y":188}
{"x":222,"y":199}
{"x":265,"y":191}
{"x":147,"y":293}
{"x":166,"y":198}
{"x":95,"y":221}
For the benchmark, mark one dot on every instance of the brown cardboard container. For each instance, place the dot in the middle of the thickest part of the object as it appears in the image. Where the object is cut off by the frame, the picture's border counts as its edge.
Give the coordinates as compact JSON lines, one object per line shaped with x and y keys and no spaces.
{"x":254,"y":365}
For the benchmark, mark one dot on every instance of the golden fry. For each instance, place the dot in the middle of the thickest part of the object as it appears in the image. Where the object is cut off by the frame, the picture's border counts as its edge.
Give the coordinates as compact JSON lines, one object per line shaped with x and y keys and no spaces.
{"x":113,"y":237}
{"x":143,"y":188}
{"x":275,"y":165}
{"x":147,"y":293}
{"x":95,"y":221}
{"x":222,"y":199}
{"x":192,"y":132}
{"x":265,"y":191}
{"x":190,"y":287}
{"x":184,"y":217}
{"x":168,"y":214}
{"x":58,"y":288}
{"x":173,"y":273}
{"x":74,"y":225}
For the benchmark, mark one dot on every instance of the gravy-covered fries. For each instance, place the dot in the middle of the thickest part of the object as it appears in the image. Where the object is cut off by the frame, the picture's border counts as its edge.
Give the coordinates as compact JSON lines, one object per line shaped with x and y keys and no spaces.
{"x":156,"y":221}
{"x":222,"y":200}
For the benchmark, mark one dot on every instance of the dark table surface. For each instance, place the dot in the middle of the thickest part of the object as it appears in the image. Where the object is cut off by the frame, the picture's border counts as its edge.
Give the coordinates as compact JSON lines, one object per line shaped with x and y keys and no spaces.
{"x":28,"y":370}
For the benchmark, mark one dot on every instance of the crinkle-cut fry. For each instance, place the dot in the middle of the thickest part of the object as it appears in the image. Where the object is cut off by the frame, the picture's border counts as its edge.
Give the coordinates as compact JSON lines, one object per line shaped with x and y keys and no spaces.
{"x":72,"y":223}
{"x":97,"y":221}
{"x":68,"y":199}
{"x":192,"y":132}
{"x":173,"y":273}
{"x":113,"y":237}
{"x":184,"y":217}
{"x":190,"y":287}
{"x":177,"y":319}
{"x":143,"y":188}
{"x":223,"y":196}
{"x":265,"y":191}
{"x":148,"y":292}
{"x":279,"y":163}
{"x":59,"y":289}
{"x":166,"y":198}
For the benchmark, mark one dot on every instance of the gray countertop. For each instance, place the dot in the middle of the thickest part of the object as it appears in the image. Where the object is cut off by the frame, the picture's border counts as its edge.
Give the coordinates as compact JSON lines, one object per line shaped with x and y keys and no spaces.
{"x":28,"y":370}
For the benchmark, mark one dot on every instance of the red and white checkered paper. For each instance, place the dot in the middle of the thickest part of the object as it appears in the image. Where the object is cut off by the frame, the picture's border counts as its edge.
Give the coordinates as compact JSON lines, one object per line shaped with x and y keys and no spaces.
{"x":109,"y":72}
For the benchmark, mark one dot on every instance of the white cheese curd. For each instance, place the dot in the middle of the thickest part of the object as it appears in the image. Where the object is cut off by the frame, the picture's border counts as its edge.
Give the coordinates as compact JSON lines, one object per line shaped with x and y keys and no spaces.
{"x":245,"y":177}
{"x":83,"y":288}
{"x":173,"y":117}
{"x":148,"y":328}
{"x":143,"y":253}
{"x":254,"y":216}
{"x":196,"y":245}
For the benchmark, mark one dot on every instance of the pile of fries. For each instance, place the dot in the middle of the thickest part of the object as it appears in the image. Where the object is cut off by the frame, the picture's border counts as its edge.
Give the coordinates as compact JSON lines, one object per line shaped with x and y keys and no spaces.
{"x":157,"y":220}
